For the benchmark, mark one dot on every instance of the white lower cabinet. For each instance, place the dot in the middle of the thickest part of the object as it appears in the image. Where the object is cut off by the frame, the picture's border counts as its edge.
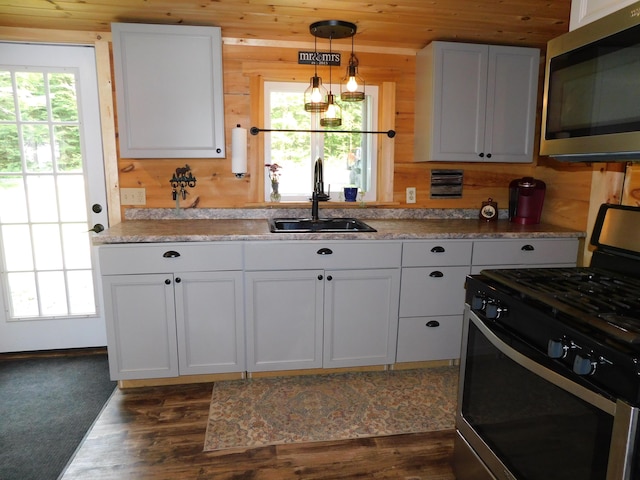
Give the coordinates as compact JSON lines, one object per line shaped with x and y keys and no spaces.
{"x":220,"y":307}
{"x":164,"y":321}
{"x":284,"y":319}
{"x":432,"y":299}
{"x":432,"y":288}
{"x":342,"y":313}
{"x":141,"y":329}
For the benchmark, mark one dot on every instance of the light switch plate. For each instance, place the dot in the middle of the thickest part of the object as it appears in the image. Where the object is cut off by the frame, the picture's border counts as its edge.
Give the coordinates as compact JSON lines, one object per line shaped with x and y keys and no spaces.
{"x":133,"y":196}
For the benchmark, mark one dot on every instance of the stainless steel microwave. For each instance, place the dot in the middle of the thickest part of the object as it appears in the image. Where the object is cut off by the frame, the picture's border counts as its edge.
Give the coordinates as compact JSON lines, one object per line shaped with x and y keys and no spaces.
{"x":591,"y":105}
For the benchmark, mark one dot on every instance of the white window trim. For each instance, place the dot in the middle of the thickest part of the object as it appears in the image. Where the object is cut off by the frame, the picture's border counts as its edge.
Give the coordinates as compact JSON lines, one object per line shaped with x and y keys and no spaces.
{"x":317,"y":141}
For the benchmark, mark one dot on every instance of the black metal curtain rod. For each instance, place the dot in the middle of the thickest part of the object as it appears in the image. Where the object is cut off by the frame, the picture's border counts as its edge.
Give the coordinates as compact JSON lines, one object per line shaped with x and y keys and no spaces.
{"x":256,"y":130}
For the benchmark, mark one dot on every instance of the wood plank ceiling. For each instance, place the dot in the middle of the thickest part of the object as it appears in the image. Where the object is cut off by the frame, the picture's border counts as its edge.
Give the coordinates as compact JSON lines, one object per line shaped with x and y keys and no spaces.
{"x":397,"y":24}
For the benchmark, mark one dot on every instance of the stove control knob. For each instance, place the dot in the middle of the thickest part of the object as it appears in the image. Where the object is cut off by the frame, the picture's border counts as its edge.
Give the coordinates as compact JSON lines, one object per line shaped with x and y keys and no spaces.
{"x":584,"y":365}
{"x":494,"y":310}
{"x":477,"y":302}
{"x":556,"y":348}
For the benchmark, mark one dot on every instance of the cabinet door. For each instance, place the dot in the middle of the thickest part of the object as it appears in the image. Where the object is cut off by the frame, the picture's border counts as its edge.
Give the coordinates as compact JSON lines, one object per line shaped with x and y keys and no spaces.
{"x":512,"y":89}
{"x":210,"y":322}
{"x":169,"y":91}
{"x":586,"y":11}
{"x":284,"y":319}
{"x":360,"y":317}
{"x":460,"y":89}
{"x":141,"y":331}
{"x":476,"y":102}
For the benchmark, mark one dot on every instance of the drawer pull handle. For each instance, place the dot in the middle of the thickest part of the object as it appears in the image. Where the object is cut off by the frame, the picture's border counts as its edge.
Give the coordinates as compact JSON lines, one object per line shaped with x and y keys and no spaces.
{"x":325,"y":251}
{"x":436,"y":274}
{"x":437,"y":249}
{"x":171,"y":254}
{"x":527,"y":248}
{"x":432,"y":324}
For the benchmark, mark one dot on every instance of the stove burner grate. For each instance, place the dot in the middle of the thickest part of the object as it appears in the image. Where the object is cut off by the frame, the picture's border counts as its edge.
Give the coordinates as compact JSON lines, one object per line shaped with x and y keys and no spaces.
{"x":605,"y":300}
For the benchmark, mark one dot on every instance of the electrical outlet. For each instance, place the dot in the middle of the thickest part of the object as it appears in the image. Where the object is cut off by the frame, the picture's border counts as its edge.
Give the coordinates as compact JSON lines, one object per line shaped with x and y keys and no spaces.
{"x":133,"y":196}
{"x":411,"y":194}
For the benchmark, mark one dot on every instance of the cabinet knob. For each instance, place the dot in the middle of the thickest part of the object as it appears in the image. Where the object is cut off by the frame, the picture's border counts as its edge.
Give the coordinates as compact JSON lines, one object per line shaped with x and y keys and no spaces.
{"x":437,"y":249}
{"x":320,"y":277}
{"x":481,"y":155}
{"x":436,"y":274}
{"x":329,"y":278}
{"x":527,"y":248}
{"x":488,"y":155}
{"x":171,"y":254}
{"x":324,"y":251}
{"x":432,"y":324}
{"x":178,"y":279}
{"x":167,"y":282}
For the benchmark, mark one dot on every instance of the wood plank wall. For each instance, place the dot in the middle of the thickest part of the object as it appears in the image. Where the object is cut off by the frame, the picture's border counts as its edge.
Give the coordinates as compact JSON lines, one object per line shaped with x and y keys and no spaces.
{"x":569,"y":185}
{"x":569,"y":198}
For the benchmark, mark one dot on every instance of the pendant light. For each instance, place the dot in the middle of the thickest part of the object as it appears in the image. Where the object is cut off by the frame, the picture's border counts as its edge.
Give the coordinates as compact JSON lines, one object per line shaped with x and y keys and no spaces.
{"x":331,"y":29}
{"x":352,"y":85}
{"x":332,"y":116}
{"x":315,"y":96}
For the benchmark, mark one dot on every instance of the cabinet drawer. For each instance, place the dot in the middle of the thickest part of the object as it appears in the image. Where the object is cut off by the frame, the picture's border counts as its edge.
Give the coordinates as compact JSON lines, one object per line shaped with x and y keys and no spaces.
{"x":525,"y":251}
{"x":429,"y":338}
{"x":169,"y":257}
{"x":322,"y":255}
{"x":426,"y":291}
{"x":425,"y":254}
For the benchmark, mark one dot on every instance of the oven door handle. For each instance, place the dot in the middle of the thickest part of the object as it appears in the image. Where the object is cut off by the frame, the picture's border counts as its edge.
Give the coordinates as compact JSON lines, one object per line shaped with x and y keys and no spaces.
{"x":558,"y":380}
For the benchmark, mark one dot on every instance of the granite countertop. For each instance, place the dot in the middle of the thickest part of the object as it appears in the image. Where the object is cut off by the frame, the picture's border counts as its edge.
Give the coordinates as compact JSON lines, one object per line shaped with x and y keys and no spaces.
{"x":160,"y":227}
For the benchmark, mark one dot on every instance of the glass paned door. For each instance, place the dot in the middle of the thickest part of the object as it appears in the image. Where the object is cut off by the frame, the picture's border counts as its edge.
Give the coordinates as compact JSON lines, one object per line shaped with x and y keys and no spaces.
{"x":50,"y":173}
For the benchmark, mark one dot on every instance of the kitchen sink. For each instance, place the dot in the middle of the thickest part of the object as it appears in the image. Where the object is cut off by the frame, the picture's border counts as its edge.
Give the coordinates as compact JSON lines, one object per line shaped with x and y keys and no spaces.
{"x":308,"y":225}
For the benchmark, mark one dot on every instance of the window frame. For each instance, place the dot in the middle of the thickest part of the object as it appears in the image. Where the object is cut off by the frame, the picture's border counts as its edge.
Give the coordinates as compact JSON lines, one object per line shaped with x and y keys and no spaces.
{"x":317,"y":139}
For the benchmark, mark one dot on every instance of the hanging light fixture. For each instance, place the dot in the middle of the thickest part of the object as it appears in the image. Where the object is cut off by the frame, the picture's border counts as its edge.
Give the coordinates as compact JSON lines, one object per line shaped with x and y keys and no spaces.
{"x":315,"y":96}
{"x":332,"y":117}
{"x":331,"y":114}
{"x":352,"y":85}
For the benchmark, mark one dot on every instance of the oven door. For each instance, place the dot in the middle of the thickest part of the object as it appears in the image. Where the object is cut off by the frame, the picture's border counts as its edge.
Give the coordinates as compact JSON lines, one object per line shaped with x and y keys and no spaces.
{"x":519,"y":419}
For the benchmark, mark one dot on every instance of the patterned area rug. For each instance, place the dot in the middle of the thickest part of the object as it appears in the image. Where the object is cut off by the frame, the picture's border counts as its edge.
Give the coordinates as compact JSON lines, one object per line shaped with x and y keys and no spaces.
{"x":270,"y":411}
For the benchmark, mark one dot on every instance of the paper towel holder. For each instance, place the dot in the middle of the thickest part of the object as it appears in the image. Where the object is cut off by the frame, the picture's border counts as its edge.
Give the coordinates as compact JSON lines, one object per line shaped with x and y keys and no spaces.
{"x":239,"y":152}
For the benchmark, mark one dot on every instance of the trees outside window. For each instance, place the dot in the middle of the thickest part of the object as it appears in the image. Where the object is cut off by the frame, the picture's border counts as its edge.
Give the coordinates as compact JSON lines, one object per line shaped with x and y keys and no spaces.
{"x":349,"y":159}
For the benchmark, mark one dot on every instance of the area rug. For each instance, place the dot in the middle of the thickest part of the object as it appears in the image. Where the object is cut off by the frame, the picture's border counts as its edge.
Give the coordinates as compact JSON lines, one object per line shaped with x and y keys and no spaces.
{"x":47,"y":404}
{"x":296,"y":409}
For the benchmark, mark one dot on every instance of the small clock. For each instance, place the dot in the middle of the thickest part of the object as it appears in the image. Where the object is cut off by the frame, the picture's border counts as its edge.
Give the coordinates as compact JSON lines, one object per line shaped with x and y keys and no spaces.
{"x":489,"y":210}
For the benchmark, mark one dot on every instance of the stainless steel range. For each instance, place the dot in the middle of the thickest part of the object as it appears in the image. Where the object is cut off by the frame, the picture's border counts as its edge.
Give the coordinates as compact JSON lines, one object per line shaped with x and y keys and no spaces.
{"x":550,"y":371}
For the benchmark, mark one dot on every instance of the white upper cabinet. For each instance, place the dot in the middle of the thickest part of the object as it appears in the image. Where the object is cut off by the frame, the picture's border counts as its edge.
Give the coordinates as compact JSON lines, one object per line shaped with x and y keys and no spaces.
{"x":169,"y":91}
{"x":586,"y":11}
{"x":475,"y":103}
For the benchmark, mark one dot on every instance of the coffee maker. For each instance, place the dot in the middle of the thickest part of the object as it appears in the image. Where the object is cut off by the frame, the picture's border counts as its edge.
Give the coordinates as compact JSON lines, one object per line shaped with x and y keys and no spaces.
{"x":526,"y":196}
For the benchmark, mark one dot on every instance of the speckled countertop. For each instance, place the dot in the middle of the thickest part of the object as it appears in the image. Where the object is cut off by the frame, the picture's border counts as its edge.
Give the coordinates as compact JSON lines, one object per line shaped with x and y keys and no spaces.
{"x":201,"y":225}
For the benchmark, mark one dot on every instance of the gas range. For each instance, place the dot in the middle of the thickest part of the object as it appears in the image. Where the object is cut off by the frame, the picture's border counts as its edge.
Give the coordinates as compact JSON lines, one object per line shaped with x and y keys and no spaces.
{"x":550,"y":366}
{"x":585,"y":318}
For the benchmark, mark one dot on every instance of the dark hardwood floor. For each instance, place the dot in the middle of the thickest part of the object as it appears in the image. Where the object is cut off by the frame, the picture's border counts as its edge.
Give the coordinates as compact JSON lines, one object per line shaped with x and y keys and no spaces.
{"x":158,"y":433}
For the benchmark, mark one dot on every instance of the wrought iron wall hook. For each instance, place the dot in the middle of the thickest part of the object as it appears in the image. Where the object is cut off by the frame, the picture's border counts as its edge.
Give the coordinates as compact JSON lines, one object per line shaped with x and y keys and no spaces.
{"x":180,"y":180}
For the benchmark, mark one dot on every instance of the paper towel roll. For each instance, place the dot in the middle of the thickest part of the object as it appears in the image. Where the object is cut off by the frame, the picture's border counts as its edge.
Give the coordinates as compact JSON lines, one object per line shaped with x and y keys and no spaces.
{"x":239,"y":151}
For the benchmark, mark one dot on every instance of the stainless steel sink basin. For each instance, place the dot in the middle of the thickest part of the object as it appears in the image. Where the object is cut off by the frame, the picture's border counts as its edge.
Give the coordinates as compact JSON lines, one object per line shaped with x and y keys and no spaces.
{"x":307,"y":225}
